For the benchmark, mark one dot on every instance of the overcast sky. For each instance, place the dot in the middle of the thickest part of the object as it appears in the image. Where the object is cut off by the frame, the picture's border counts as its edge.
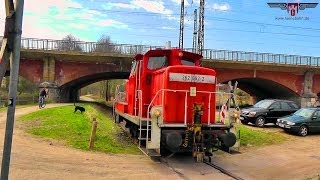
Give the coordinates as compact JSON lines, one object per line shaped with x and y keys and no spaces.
{"x":239,"y":25}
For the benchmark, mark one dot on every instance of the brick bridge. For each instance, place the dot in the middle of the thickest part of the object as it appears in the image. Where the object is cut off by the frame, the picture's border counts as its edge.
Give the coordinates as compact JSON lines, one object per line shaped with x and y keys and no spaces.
{"x":262,"y":75}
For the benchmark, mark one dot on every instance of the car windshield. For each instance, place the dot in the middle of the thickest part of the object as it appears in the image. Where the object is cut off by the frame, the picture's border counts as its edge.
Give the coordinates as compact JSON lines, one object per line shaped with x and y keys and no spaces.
{"x":263,"y":104}
{"x":304,"y":112}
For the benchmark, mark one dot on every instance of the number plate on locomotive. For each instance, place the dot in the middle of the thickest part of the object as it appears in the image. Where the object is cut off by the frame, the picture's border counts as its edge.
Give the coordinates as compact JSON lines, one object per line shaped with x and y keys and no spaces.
{"x":192,"y":78}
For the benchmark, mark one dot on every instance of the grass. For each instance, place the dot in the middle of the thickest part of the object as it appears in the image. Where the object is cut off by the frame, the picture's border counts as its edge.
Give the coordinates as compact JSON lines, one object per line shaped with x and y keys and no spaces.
{"x":74,"y":129}
{"x":253,"y":137}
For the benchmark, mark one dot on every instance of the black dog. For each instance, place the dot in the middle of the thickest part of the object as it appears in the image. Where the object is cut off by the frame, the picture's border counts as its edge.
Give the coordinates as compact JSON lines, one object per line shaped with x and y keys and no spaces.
{"x":76,"y":108}
{"x":81,"y":109}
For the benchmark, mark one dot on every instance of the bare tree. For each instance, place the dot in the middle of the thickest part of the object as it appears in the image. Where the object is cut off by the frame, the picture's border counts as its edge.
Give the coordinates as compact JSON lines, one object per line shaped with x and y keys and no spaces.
{"x":104,"y":44}
{"x":69,"y":43}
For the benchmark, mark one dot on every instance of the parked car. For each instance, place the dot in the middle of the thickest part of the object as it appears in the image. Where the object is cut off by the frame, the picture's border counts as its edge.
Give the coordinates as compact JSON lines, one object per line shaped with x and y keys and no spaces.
{"x":267,"y":111}
{"x":302,"y":122}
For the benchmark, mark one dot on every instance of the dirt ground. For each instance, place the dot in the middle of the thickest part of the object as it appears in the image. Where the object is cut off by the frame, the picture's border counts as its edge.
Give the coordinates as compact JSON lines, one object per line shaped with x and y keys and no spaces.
{"x":35,"y":158}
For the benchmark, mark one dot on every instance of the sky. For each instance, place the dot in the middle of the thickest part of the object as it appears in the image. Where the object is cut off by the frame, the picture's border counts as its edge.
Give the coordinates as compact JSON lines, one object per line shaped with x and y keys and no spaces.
{"x":238,"y":25}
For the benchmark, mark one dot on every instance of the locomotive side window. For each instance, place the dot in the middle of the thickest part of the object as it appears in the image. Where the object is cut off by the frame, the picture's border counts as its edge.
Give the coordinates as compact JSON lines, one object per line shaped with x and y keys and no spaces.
{"x":188,"y":62}
{"x":157,"y":62}
{"x":133,"y":67}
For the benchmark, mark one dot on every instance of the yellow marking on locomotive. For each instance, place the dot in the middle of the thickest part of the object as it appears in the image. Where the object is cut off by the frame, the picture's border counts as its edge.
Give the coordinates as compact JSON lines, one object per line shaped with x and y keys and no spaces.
{"x":197,"y":151}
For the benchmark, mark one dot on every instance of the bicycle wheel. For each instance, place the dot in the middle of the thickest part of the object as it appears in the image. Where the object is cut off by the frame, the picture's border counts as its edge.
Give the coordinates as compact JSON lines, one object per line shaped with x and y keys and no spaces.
{"x":43,"y":103}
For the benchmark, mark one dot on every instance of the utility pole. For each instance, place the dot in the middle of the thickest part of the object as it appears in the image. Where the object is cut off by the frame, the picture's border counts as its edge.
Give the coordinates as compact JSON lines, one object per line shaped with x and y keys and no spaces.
{"x":17,"y":15}
{"x":7,"y":41}
{"x":194,"y":43}
{"x":201,"y":28}
{"x":181,"y":25}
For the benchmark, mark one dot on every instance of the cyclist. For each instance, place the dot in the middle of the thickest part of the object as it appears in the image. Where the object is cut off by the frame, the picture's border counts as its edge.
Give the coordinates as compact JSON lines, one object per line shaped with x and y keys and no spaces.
{"x":43,"y":94}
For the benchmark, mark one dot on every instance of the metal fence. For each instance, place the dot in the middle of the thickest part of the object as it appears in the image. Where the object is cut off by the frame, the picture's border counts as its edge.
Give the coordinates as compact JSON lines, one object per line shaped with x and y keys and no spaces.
{"x":261,"y":57}
{"x":128,"y":49}
{"x":81,"y":46}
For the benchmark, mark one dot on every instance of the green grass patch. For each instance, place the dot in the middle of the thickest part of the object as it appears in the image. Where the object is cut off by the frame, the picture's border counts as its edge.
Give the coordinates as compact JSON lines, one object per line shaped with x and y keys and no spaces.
{"x":74,"y":129}
{"x":254,"y":137}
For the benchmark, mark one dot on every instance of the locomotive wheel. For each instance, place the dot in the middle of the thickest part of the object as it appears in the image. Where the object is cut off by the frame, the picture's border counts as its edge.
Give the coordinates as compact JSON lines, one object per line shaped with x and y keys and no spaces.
{"x":164,"y":152}
{"x":117,"y":118}
{"x":135,"y":132}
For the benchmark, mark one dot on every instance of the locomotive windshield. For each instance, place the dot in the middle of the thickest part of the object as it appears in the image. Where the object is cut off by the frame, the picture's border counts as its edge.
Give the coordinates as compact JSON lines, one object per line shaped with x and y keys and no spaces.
{"x":188,"y":62}
{"x":157,"y":62}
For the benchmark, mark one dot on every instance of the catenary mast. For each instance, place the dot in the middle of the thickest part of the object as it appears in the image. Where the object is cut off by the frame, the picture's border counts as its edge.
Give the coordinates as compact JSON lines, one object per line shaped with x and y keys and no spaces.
{"x":201,"y":28}
{"x":181,"y":25}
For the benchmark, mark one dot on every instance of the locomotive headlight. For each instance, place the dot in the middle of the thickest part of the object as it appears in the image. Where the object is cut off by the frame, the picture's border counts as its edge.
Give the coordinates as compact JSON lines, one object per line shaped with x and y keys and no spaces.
{"x":157,"y":113}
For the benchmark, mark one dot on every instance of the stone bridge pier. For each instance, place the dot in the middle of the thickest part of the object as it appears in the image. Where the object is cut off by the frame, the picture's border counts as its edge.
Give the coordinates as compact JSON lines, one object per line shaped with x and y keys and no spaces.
{"x":308,"y":97}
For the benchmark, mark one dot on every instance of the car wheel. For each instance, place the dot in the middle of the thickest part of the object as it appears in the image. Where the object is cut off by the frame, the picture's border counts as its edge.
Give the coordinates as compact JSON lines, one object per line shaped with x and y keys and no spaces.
{"x":303,"y":131}
{"x":260,"y":121}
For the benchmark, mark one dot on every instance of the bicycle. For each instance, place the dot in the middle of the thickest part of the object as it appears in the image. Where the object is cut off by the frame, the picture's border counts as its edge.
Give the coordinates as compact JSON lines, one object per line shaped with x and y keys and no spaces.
{"x":42,"y":102}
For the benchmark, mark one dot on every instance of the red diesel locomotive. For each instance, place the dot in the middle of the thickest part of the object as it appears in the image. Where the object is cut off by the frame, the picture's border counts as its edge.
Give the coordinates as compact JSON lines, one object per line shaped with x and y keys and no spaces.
{"x":169,"y":104}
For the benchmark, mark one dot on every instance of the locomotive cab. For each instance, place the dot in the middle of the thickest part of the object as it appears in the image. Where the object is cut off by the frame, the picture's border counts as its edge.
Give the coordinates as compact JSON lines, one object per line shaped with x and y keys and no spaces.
{"x":170,"y":104}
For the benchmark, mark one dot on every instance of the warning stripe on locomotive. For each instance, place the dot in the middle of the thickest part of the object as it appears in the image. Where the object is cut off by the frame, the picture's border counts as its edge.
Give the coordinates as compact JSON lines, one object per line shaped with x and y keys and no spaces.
{"x":181,"y":77}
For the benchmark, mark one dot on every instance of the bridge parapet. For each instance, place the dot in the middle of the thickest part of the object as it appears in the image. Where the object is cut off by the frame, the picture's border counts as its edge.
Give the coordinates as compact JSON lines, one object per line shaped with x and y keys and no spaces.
{"x":129,"y":49}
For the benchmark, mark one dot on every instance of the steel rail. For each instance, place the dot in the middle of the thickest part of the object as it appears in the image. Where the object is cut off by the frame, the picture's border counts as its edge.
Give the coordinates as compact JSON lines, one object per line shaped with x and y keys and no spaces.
{"x":224,"y":171}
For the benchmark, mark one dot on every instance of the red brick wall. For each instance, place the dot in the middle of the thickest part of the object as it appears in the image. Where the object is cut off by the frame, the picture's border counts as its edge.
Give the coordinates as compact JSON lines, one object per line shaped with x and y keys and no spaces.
{"x":31,"y":70}
{"x":69,"y":71}
{"x":316,"y":84}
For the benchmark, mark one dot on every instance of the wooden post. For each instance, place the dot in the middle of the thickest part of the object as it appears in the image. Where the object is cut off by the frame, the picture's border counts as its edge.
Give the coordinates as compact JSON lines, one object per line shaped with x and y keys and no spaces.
{"x":93,"y":133}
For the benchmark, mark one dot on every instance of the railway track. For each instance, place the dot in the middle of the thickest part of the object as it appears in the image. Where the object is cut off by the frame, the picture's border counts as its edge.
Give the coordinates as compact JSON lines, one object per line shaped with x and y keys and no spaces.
{"x":224,"y":171}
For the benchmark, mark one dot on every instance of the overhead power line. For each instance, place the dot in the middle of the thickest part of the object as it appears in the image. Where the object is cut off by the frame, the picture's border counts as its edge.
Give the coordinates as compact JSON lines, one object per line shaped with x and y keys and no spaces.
{"x":249,"y":31}
{"x":207,"y":17}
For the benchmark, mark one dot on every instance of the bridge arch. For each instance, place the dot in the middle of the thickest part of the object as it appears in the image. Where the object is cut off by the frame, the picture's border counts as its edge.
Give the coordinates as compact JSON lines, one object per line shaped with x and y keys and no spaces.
{"x":70,"y":90}
{"x":260,"y":88}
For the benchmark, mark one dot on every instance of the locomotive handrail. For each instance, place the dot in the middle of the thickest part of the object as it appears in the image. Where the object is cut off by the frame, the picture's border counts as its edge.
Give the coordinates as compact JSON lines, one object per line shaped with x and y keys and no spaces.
{"x":185,"y":111}
{"x":140,"y":102}
{"x":148,"y":110}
